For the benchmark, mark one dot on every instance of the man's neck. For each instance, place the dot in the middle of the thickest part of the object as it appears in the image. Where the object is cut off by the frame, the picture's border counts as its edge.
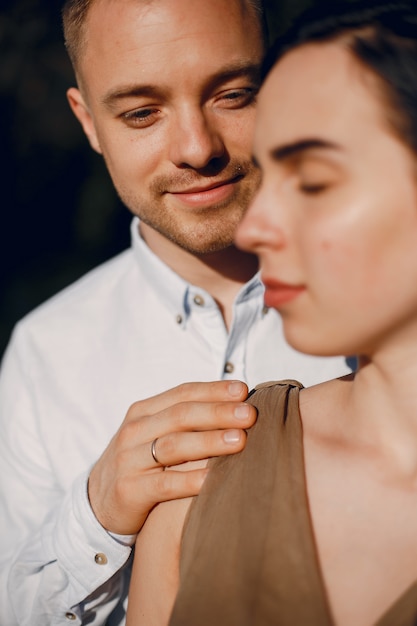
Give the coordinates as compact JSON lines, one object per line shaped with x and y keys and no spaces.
{"x":221,"y":273}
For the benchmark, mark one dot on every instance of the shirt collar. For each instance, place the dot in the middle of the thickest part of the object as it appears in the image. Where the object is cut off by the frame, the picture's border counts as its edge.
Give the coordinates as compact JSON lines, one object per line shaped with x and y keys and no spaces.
{"x":172,"y":289}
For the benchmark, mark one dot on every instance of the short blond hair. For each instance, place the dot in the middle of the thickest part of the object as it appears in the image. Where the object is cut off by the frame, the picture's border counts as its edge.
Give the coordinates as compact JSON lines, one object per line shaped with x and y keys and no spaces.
{"x":74,"y":18}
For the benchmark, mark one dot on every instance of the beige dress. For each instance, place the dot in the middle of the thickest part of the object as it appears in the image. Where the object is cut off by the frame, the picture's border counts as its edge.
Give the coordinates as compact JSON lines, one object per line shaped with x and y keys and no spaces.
{"x":248,"y":553}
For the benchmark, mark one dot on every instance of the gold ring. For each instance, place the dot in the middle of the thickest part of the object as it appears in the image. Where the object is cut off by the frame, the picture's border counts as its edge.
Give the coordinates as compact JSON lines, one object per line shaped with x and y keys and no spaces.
{"x":153,"y":451}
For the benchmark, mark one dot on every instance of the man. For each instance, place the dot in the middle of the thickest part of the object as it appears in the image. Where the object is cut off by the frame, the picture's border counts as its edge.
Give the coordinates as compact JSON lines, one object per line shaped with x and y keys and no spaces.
{"x":166,"y":93}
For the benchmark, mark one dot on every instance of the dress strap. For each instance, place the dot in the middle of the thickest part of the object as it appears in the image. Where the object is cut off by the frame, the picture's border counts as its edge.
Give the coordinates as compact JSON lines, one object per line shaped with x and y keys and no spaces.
{"x":248,"y":554}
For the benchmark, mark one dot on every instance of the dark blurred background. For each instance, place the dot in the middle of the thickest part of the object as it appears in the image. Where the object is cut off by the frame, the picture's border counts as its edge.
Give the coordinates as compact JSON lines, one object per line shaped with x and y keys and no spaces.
{"x":59,"y":213}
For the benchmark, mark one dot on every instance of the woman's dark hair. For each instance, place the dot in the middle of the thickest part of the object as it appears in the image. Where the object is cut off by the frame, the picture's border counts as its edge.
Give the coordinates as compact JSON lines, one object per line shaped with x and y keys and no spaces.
{"x":382,"y":36}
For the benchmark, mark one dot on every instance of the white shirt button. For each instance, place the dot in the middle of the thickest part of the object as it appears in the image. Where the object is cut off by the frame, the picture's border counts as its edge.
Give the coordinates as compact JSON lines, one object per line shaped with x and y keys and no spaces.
{"x":178,"y":319}
{"x":199,"y":300}
{"x":100,"y":558}
{"x":229,"y":368}
{"x":70,"y":616}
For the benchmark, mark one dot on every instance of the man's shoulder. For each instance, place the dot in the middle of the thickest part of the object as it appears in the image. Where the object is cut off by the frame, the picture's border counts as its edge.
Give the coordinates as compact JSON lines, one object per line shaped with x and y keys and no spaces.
{"x":89,"y":293}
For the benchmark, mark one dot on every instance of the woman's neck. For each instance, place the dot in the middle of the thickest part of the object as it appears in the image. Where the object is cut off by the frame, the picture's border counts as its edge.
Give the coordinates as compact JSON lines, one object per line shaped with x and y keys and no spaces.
{"x":375,"y":409}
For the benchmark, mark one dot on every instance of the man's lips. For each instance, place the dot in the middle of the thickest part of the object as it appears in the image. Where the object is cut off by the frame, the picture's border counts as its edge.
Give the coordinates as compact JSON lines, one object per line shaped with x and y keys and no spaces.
{"x":278,"y":293}
{"x":200,"y":195}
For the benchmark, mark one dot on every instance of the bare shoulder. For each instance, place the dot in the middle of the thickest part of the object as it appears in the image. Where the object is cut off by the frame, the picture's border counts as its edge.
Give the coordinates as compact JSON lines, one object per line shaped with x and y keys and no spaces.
{"x":155,"y":572}
{"x":320,"y":403}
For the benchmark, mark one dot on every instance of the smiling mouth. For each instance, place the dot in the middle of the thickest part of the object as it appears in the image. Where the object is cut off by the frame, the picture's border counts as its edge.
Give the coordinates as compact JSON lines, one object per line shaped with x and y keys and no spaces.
{"x":206,"y":188}
{"x":204,"y":195}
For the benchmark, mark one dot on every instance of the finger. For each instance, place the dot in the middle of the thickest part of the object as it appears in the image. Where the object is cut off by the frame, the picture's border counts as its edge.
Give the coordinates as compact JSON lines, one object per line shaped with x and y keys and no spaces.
{"x":140,"y":498}
{"x":176,"y":448}
{"x":192,"y":417}
{"x":216,"y":391}
{"x":170,"y":485}
{"x":216,"y":423}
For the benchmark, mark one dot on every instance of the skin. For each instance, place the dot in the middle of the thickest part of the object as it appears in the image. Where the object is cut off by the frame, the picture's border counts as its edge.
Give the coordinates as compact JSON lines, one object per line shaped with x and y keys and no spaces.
{"x":339,"y":222}
{"x":167,"y":94}
{"x":126,"y":483}
{"x":333,"y":190}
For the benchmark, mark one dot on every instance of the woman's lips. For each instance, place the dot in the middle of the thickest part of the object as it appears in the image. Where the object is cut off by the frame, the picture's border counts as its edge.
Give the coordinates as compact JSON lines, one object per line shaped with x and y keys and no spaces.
{"x":278,"y":293}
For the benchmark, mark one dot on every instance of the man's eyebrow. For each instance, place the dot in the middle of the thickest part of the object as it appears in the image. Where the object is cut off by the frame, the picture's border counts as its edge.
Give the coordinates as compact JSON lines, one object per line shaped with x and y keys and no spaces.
{"x":290,"y":150}
{"x":123,"y":92}
{"x":230,"y":72}
{"x":252,"y":71}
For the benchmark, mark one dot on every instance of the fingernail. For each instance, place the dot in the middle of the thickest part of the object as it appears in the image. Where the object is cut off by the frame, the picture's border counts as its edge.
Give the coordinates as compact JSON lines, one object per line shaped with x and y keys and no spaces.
{"x":232,"y":436}
{"x":235,"y":388}
{"x":242,"y":411}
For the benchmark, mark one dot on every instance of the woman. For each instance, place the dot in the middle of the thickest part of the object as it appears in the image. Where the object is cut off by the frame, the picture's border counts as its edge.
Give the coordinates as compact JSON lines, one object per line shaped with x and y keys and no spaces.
{"x":315,"y":521}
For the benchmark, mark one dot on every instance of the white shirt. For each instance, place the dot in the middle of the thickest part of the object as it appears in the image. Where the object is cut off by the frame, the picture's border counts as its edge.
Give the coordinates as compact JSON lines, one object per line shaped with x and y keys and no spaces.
{"x":127,"y":330}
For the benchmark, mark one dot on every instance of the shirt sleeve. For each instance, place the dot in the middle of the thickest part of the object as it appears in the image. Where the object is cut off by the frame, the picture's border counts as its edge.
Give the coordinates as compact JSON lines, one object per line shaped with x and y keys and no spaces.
{"x":58,"y":565}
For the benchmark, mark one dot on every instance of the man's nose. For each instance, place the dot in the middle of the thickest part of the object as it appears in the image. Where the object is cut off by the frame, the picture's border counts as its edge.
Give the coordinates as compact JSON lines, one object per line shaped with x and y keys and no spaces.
{"x":196,"y":140}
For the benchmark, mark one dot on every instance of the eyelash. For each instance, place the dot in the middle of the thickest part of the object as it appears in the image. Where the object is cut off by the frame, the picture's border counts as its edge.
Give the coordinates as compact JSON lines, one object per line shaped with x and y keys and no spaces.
{"x":313,"y":189}
{"x":248,"y":95}
{"x":237,"y":98}
{"x":140,"y":117}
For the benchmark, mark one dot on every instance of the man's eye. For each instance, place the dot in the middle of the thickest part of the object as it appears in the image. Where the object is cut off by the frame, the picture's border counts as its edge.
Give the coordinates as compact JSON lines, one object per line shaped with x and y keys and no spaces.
{"x":239,"y":97}
{"x":140,"y":118}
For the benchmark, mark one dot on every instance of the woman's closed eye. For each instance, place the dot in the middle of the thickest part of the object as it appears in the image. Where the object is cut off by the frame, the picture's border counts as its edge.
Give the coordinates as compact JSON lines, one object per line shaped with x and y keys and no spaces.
{"x":315,"y":177}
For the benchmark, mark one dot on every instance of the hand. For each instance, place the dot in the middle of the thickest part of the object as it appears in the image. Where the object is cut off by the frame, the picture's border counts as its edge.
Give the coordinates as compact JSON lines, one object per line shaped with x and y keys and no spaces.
{"x":190,"y":422}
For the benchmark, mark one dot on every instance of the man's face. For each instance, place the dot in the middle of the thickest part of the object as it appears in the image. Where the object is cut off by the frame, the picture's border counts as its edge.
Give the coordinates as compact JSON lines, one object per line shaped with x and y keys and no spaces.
{"x":168,"y":91}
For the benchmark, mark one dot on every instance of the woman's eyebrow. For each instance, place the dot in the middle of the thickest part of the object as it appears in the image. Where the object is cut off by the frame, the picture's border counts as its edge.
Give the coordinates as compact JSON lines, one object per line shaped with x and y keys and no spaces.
{"x":289,"y":150}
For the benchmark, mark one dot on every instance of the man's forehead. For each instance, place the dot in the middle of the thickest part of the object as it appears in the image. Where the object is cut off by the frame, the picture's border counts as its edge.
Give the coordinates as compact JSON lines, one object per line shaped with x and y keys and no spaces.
{"x":123,"y":37}
{"x":113,"y":19}
{"x":246,"y":5}
{"x":241,"y":9}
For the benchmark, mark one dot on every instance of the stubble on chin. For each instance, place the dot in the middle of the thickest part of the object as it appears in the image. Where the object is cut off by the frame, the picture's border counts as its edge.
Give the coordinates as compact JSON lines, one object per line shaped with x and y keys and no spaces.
{"x":205,"y":234}
{"x":198,"y":231}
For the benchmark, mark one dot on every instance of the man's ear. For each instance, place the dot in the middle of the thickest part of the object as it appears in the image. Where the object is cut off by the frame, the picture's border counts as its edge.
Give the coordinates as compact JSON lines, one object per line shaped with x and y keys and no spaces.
{"x":81,"y":112}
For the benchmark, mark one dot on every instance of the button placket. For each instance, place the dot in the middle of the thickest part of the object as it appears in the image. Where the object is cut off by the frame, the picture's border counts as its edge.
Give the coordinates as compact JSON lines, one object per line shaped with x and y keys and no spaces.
{"x":229,"y":368}
{"x":245,"y":312}
{"x":207,"y":322}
